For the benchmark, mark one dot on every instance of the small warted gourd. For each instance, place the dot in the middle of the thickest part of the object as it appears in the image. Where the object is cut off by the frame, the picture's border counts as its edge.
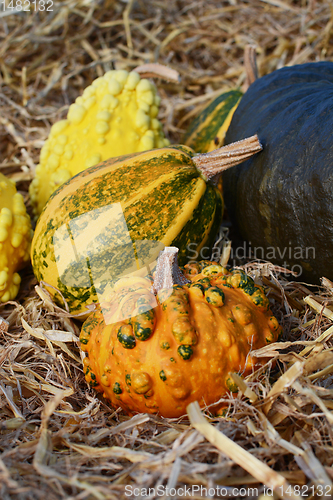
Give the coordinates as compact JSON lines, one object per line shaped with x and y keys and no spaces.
{"x":85,"y":235}
{"x":281,"y":201}
{"x":116,"y":115}
{"x":158,"y":347}
{"x":15,"y":238}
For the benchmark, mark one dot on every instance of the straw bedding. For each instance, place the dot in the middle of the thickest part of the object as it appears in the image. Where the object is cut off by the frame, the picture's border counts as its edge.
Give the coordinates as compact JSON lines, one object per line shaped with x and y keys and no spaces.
{"x":58,"y":439}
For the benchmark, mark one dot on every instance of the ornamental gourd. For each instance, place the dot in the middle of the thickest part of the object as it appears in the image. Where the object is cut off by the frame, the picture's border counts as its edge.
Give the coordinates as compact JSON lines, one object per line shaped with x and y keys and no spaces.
{"x":156,"y":347}
{"x":116,"y":115}
{"x":208,"y":129}
{"x":15,"y":238}
{"x":105,"y":220}
{"x":281,"y":201}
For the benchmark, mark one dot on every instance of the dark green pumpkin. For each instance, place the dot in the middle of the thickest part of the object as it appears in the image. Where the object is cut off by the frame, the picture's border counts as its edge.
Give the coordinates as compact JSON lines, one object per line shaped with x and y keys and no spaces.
{"x":281,"y":200}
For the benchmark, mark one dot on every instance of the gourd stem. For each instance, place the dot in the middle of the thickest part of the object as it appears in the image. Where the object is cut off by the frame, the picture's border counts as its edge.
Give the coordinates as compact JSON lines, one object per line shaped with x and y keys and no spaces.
{"x":167,"y":271}
{"x":215,"y":162}
{"x":154,"y":70}
{"x":250,"y":63}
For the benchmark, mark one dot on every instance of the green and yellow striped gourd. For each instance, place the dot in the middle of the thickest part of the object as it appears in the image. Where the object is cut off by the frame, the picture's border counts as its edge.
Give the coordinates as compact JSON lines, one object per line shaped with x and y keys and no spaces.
{"x":113,"y":218}
{"x":208,"y":129}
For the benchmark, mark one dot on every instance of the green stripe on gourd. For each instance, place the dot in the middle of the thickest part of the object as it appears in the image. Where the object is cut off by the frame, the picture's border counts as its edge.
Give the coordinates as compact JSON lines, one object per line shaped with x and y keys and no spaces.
{"x":200,"y":231}
{"x":208,"y":129}
{"x":110,"y":219}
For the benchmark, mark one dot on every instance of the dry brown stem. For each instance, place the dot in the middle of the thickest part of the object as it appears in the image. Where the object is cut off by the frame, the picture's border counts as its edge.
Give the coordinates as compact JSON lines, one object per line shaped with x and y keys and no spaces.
{"x":215,"y":162}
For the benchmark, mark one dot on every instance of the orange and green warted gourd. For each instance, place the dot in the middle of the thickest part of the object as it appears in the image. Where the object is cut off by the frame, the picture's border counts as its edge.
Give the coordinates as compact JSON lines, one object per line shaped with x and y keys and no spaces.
{"x":156,"y":346}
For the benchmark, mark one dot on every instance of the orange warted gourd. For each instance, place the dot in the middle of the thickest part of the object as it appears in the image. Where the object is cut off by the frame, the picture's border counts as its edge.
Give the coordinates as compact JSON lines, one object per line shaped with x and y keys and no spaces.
{"x":156,"y":347}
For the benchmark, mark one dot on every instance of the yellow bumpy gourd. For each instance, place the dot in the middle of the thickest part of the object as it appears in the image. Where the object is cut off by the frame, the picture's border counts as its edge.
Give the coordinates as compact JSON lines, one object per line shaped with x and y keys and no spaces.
{"x":116,"y":115}
{"x":15,"y":238}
